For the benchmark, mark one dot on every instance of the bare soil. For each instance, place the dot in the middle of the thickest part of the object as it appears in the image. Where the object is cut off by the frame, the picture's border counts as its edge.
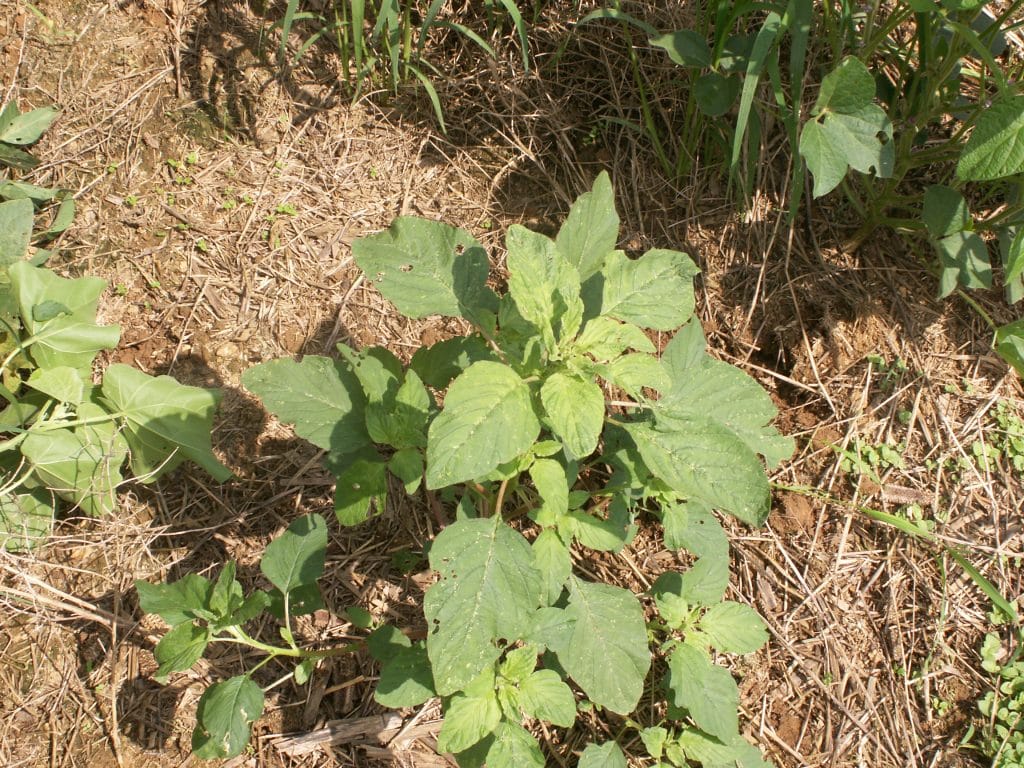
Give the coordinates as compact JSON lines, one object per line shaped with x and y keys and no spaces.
{"x":241,"y":254}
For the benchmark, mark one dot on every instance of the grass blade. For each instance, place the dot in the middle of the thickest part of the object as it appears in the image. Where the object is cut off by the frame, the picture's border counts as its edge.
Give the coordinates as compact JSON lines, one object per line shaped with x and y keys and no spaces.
{"x":432,"y":93}
{"x":616,"y":15}
{"x":517,"y":19}
{"x":286,"y":28}
{"x":763,"y":44}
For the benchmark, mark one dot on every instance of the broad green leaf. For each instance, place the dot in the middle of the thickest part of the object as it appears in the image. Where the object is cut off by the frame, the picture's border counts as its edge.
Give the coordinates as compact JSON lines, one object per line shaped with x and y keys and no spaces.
{"x":963,"y":257}
{"x":16,"y":217}
{"x":605,"y":338}
{"x":591,"y":228}
{"x":543,"y":695}
{"x":183,"y":600}
{"x":654,"y":738}
{"x":715,"y":93}
{"x":71,"y":336}
{"x":1010,"y":344}
{"x":428,"y":268}
{"x":607,"y":654}
{"x":861,"y":140}
{"x":16,"y":158}
{"x":673,"y":608}
{"x":63,"y":383}
{"x":1011,"y":250}
{"x":224,"y":718}
{"x":549,"y":478}
{"x":709,"y":751}
{"x":705,"y":389}
{"x":321,"y":397}
{"x":16,"y":190}
{"x":704,"y":583}
{"x":180,"y":648}
{"x":597,"y":532}
{"x":165,"y":421}
{"x":552,"y":560}
{"x":26,"y":128}
{"x":705,"y":690}
{"x":514,"y":747}
{"x":518,"y":664}
{"x":227,"y":592}
{"x":945,"y":211}
{"x":702,"y":459}
{"x":467,"y":720}
{"x":439,"y":363}
{"x":635,"y":372}
{"x":360,"y":487}
{"x":654,"y":291}
{"x":379,"y":372}
{"x":386,"y":642}
{"x":685,"y":47}
{"x":82,"y":465}
{"x":401,"y":421}
{"x":407,"y":466}
{"x":691,"y":526}
{"x":575,"y":411}
{"x":488,"y":419}
{"x":405,"y":679}
{"x":488,"y":590}
{"x":296,"y":557}
{"x":847,"y":89}
{"x":552,"y":628}
{"x":25,"y":519}
{"x":607,"y":755}
{"x":250,"y":608}
{"x":544,"y":285}
{"x":734,"y":627}
{"x":302,"y":601}
{"x":303,"y":671}
{"x":995,"y":148}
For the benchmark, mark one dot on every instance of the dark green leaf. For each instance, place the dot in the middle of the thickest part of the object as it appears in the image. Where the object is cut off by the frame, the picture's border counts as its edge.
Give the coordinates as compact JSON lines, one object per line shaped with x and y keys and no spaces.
{"x":407,"y":466}
{"x":1010,"y":344}
{"x":302,"y":601}
{"x":180,"y":648}
{"x":438,"y":364}
{"x":945,"y":211}
{"x":224,"y":718}
{"x":179,"y":601}
{"x":705,"y":690}
{"x":716,"y":93}
{"x":861,"y":140}
{"x":385,"y":642}
{"x":964,"y":259}
{"x":378,"y":370}
{"x":406,"y":679}
{"x":847,"y":89}
{"x":296,"y":557}
{"x":685,"y":47}
{"x":995,"y":148}
{"x":362,"y":485}
{"x":16,"y":218}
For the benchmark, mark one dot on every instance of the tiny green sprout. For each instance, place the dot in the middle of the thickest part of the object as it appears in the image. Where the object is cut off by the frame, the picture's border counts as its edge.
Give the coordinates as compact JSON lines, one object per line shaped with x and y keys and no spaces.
{"x":154,"y":284}
{"x":170,"y":198}
{"x":159,"y":233}
{"x":131,"y":200}
{"x":121,"y":289}
{"x":228,"y":205}
{"x":374,"y":173}
{"x":112,"y":168}
{"x":202,"y":245}
{"x":192,"y":158}
{"x":173,"y":164}
{"x":904,"y":416}
{"x":286,"y":209}
{"x":247,"y":199}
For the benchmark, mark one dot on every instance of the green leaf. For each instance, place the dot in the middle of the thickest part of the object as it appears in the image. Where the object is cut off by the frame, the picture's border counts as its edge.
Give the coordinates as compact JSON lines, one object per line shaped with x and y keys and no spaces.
{"x":734,"y":627}
{"x":439,"y":363}
{"x":604,"y":339}
{"x":995,"y":148}
{"x":16,"y":190}
{"x":716,"y":93}
{"x":945,"y":211}
{"x":488,"y":419}
{"x":708,"y":750}
{"x":321,"y":397}
{"x":165,"y":421}
{"x":63,"y":383}
{"x":575,"y":410}
{"x":72,"y":337}
{"x":518,"y":664}
{"x":861,"y":140}
{"x":654,"y":738}
{"x":552,"y":560}
{"x":303,"y":671}
{"x":553,"y":486}
{"x":25,"y":519}
{"x":544,"y":285}
{"x":488,"y":590}
{"x":406,"y":679}
{"x":596,"y":532}
{"x":428,"y":268}
{"x":82,"y":465}
{"x":227,"y":592}
{"x":26,"y":128}
{"x":16,"y":217}
{"x":360,"y":487}
{"x":654,"y":291}
{"x":591,"y":228}
{"x":1010,"y":344}
{"x":685,"y":47}
{"x":378,"y":370}
{"x":964,"y":259}
{"x":302,"y":600}
{"x":386,"y":642}
{"x":467,"y":720}
{"x":635,"y":372}
{"x":607,"y":755}
{"x":543,"y":695}
{"x":224,"y":718}
{"x":705,"y":690}
{"x":705,"y":389}
{"x":847,"y":89}
{"x":514,"y":747}
{"x":16,"y":158}
{"x":691,"y":526}
{"x":407,"y":466}
{"x":607,"y":654}
{"x":180,"y":648}
{"x":401,"y":421}
{"x":1011,"y":250}
{"x":296,"y":557}
{"x":250,"y":608}
{"x":183,"y":600}
{"x":702,"y":459}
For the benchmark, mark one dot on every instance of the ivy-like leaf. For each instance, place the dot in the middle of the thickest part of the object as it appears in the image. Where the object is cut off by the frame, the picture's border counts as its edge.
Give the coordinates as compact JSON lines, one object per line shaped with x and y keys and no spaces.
{"x":406,"y":679}
{"x":734,"y":627}
{"x":487,"y":420}
{"x":654,"y":291}
{"x":16,"y":218}
{"x":296,"y":557}
{"x":847,"y":89}
{"x":705,"y":690}
{"x":591,"y":228}
{"x":964,"y":259}
{"x":25,"y":519}
{"x":321,"y":397}
{"x":63,"y":383}
{"x":575,"y":409}
{"x":607,"y":755}
{"x":165,"y":421}
{"x":428,"y":268}
{"x":607,"y":653}
{"x":488,"y":590}
{"x":224,"y":718}
{"x":995,"y":148}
